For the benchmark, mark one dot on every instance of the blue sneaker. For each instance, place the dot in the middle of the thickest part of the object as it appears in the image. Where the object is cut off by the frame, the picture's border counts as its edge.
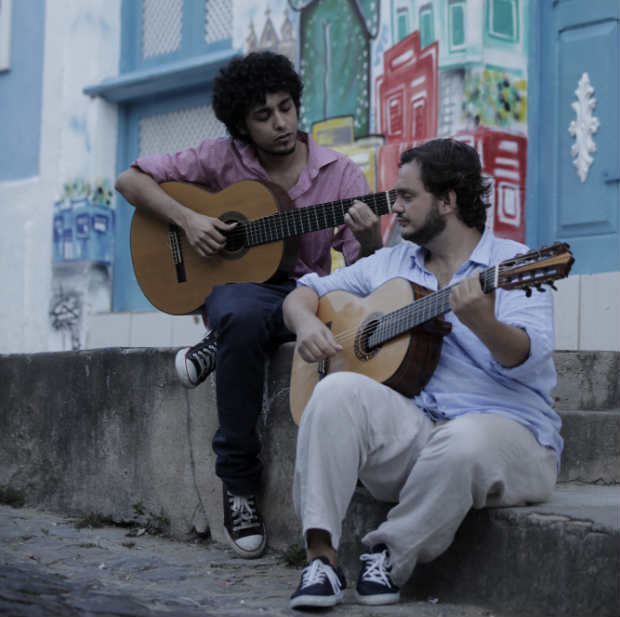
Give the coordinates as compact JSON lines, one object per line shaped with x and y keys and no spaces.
{"x":374,"y":585}
{"x":320,"y":586}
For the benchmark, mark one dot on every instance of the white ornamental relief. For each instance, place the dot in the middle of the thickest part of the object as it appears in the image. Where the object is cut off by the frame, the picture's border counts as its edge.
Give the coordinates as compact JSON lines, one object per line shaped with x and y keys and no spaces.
{"x":583,"y":127}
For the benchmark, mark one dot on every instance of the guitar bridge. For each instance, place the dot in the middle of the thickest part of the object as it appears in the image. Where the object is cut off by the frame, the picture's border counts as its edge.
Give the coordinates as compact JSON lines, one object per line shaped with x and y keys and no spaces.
{"x":174,"y":237}
{"x":322,"y":367}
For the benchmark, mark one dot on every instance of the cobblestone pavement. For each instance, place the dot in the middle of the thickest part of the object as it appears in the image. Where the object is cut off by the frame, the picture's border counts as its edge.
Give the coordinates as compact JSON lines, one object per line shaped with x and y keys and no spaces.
{"x":50,"y":567}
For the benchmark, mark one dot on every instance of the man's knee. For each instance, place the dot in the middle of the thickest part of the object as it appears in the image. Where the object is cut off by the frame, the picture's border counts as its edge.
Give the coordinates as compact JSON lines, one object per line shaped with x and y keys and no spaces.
{"x":227,"y":309}
{"x":335,"y":396}
{"x":464,"y":442}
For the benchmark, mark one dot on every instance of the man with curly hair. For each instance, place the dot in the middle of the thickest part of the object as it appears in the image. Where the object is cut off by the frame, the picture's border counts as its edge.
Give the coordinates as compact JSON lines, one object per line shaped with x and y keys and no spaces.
{"x":258,"y":99}
{"x":481,"y":432}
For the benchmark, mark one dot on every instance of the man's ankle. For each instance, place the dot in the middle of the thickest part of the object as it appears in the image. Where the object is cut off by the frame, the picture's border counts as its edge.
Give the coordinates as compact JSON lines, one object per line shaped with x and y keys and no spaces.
{"x":319,"y":545}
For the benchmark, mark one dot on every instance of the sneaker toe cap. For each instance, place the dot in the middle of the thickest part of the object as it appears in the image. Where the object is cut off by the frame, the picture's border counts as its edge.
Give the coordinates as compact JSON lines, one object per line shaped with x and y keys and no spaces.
{"x":250,"y":543}
{"x":185,"y":370}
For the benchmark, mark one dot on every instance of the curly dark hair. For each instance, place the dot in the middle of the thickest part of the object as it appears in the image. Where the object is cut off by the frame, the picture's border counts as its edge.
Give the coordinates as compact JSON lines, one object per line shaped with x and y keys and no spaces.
{"x":245,"y":82}
{"x":448,"y":164}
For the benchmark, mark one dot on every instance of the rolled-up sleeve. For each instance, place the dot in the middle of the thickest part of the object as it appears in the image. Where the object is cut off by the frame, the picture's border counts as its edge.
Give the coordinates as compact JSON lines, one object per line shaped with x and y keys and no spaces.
{"x":535,"y":316}
{"x":204,"y":164}
{"x":181,"y":166}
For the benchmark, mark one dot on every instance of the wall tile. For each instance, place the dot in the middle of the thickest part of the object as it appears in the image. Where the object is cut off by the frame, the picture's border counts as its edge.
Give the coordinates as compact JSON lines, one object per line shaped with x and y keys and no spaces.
{"x":108,"y":330}
{"x":187,"y":330}
{"x":566,"y":313}
{"x":600,"y":318}
{"x":151,"y":329}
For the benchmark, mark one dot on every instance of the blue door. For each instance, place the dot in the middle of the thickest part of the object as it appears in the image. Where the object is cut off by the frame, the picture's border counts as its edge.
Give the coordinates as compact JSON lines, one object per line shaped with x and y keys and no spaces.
{"x":171,"y":52}
{"x":168,"y":124}
{"x":574,"y":130}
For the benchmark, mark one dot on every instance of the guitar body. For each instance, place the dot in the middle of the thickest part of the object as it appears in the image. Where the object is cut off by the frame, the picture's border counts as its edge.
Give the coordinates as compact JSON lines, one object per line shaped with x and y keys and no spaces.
{"x":405,"y":363}
{"x":182,"y":289}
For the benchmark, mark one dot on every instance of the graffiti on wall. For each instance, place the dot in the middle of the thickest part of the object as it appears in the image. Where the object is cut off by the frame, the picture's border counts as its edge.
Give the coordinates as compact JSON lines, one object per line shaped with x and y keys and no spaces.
{"x":84,"y":222}
{"x":82,"y":255}
{"x":382,"y":75}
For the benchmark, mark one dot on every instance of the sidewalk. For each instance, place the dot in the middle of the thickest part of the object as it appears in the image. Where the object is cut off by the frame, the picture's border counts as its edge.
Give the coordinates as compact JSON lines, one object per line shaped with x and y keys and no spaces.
{"x":50,"y":567}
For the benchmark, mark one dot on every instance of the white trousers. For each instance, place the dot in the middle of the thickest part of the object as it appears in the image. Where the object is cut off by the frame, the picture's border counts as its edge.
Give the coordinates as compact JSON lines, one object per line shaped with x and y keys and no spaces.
{"x":354,"y":427}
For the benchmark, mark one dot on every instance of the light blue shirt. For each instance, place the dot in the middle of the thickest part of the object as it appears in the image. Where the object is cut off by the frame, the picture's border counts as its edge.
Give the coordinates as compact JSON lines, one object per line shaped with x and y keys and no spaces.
{"x":467,"y":378}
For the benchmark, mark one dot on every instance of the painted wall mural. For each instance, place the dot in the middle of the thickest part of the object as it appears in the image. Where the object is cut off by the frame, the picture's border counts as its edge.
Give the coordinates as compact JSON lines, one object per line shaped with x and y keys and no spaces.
{"x":383,"y":75}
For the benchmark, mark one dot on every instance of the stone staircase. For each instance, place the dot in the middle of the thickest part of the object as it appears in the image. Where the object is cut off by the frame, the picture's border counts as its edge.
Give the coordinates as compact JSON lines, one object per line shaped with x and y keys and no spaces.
{"x":104,"y":430}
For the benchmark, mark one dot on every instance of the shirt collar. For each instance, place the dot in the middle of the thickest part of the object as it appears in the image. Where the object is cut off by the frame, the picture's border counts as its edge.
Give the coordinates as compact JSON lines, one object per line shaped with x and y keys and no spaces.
{"x":248,"y":157}
{"x":318,"y":156}
{"x":481,"y":255}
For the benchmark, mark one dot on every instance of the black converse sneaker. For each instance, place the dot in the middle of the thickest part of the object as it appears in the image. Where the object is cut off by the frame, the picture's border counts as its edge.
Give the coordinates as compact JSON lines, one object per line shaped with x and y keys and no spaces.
{"x":195,"y":364}
{"x":320,"y":585}
{"x":244,"y":525}
{"x":374,"y":585}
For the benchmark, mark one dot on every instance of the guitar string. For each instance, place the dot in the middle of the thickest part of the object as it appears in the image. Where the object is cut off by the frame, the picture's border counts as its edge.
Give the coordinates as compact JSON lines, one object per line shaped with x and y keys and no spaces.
{"x":301,"y":216}
{"x":414,"y":312}
{"x":304,"y":216}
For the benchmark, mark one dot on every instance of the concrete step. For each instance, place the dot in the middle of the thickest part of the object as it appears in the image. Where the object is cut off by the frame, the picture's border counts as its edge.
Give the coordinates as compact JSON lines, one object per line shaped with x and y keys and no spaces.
{"x":556,"y":558}
{"x":587,"y":380}
{"x":102,"y":431}
{"x":591,"y":446}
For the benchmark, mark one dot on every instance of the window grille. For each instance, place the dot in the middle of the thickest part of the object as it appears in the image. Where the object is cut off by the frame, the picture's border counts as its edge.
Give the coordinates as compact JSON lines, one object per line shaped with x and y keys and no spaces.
{"x":178,"y":130}
{"x":162,"y":27}
{"x":219,"y":20}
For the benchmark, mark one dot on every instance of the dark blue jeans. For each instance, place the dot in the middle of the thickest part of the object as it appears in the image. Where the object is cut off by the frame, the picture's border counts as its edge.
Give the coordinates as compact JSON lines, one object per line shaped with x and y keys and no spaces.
{"x":248,"y":320}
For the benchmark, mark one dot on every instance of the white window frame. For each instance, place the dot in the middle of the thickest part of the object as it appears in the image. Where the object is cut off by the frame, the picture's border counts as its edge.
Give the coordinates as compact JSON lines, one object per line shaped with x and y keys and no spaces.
{"x":452,"y":5}
{"x":5,"y":34}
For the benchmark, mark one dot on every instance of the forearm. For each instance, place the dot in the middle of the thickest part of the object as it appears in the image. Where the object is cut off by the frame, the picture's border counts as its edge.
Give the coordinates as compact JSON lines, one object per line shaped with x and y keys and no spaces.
{"x":142,"y":192}
{"x":315,"y":340}
{"x":298,"y":306}
{"x":509,"y":345}
{"x":370,"y":241}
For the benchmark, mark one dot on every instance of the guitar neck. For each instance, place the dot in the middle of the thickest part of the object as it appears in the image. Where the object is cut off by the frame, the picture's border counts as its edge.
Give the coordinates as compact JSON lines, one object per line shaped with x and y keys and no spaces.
{"x":300,"y":221}
{"x":424,"y":309}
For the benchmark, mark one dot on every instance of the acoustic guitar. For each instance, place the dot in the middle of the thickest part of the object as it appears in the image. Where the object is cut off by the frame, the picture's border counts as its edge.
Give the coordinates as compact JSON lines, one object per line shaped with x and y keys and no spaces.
{"x":400,"y":348}
{"x":263,"y":246}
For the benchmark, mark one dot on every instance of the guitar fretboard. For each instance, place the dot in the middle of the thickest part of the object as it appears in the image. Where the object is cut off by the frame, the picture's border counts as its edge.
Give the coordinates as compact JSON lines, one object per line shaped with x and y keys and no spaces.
{"x":422,"y":310}
{"x":299,"y":221}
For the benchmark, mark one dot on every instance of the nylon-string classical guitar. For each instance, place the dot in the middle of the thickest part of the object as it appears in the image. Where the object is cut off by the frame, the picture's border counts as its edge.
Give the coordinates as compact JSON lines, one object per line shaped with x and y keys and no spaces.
{"x":395,"y":334}
{"x":263,"y":246}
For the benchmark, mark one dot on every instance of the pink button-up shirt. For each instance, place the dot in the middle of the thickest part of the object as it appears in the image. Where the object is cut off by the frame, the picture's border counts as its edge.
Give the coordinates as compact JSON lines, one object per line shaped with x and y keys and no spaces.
{"x":327,"y":176}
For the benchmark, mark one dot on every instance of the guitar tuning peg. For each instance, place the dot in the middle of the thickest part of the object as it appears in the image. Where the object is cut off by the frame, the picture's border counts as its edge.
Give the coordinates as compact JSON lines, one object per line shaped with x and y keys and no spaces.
{"x":528,"y":291}
{"x":552,"y":286}
{"x":539,"y":287}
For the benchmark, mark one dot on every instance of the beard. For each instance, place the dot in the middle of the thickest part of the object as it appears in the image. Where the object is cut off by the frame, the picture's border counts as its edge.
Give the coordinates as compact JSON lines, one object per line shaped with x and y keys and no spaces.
{"x":433,"y":225}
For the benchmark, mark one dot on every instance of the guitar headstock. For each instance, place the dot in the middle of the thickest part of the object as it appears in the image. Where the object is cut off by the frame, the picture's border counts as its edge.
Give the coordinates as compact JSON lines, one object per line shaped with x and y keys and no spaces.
{"x":536,"y":268}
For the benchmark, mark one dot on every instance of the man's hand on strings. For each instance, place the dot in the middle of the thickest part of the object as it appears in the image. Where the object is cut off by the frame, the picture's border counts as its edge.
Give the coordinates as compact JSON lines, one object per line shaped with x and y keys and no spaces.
{"x":470,"y":304}
{"x":315,"y":341}
{"x":365,"y":225}
{"x":206,"y":233}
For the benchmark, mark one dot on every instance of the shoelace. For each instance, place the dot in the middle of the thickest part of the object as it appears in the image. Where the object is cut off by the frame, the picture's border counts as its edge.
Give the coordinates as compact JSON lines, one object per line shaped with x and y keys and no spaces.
{"x":377,"y":566}
{"x":203,"y":356}
{"x":317,"y":572}
{"x":243,"y":512}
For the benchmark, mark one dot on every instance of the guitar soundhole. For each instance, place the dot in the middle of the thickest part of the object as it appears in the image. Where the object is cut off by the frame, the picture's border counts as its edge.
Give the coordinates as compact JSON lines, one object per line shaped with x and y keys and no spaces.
{"x":236,"y":241}
{"x":363,"y":351}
